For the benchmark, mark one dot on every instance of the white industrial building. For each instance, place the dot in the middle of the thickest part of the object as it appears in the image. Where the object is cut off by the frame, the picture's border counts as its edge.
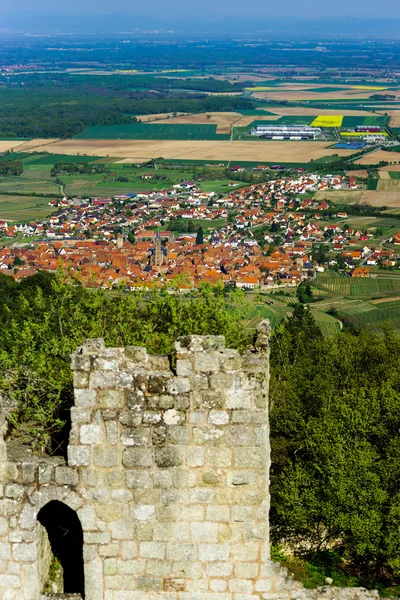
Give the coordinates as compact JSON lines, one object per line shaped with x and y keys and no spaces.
{"x":286,"y":132}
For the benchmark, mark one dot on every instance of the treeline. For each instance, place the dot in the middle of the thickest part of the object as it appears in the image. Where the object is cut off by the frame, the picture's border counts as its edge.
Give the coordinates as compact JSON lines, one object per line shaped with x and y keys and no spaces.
{"x":132,"y":82}
{"x":70,"y":168}
{"x":11,"y":168}
{"x":51,"y":111}
{"x":335,"y":417}
{"x":191,"y":105}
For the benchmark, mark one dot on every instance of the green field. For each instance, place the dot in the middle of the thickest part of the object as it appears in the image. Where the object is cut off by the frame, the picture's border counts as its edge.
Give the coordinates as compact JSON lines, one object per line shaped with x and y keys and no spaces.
{"x":324,"y":90}
{"x":254,"y":112}
{"x":52,"y":159}
{"x":372,"y":316}
{"x":328,"y":324}
{"x":394,"y":174}
{"x":154,"y":131}
{"x":24,"y":208}
{"x":357,"y":121}
{"x":346,"y":286}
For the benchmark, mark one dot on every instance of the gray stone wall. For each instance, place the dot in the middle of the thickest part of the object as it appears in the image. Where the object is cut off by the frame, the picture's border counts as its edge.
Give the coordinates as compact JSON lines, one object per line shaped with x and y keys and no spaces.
{"x":168,"y":472}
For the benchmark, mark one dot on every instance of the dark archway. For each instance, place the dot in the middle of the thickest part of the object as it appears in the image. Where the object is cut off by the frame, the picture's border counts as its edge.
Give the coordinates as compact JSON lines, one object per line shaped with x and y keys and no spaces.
{"x":66,"y":539}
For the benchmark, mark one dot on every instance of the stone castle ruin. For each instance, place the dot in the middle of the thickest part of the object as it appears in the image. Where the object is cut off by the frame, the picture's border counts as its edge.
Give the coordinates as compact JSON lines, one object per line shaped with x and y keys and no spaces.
{"x":165,"y":492}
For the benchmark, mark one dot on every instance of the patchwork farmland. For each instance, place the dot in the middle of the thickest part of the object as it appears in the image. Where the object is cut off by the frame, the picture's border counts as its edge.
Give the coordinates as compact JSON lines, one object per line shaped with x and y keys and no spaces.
{"x":346,"y":286}
{"x":153,"y":131}
{"x":140,"y":151}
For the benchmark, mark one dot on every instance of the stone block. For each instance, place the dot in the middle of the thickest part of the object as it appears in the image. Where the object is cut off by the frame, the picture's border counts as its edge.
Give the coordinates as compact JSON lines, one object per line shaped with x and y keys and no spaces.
{"x":87,"y":517}
{"x":173,"y":417}
{"x":170,"y":456}
{"x":204,"y":532}
{"x":250,"y":458}
{"x":237,"y":398}
{"x":245,"y":552}
{"x":189,"y":343}
{"x":152,"y":417}
{"x":106,"y":456}
{"x":195,"y":456}
{"x":178,"y":385}
{"x":137,"y":457}
{"x":150,"y":584}
{"x":159,"y":363}
{"x":209,"y":435}
{"x":218,"y":513}
{"x":80,"y":414}
{"x":139,"y":479}
{"x":91,"y":434}
{"x":108,"y":512}
{"x":66,"y":476}
{"x":184,"y":368}
{"x":218,"y":417}
{"x":206,"y":362}
{"x":214,"y":552}
{"x":219,"y":569}
{"x":111,"y":399}
{"x":122,"y":530}
{"x":137,"y":355}
{"x":212,"y":399}
{"x":152,"y":550}
{"x":3,"y":526}
{"x":203,"y":496}
{"x":129,"y":549}
{"x":138,"y":436}
{"x":143,"y":512}
{"x":239,"y":435}
{"x":110,"y":566}
{"x":24,"y":552}
{"x":105,"y":364}
{"x":219,"y":457}
{"x":10,"y":582}
{"x":96,"y":537}
{"x":15,"y":490}
{"x":28,"y":472}
{"x":80,"y":362}
{"x":81,"y":379}
{"x":112,"y":432}
{"x":85,"y":398}
{"x":5,"y":551}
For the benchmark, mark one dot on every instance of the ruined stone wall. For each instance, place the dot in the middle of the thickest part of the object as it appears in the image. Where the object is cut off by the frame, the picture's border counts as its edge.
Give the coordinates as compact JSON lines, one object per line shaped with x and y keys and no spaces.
{"x":168,"y":472}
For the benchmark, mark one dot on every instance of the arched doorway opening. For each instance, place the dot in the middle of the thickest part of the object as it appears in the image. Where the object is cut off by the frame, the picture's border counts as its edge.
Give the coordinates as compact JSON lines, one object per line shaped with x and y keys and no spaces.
{"x":65,"y":535}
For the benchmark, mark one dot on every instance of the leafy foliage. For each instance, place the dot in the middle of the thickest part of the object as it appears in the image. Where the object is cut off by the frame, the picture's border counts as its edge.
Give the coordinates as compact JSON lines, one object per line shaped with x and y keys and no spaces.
{"x":335,"y":416}
{"x":45,"y":319}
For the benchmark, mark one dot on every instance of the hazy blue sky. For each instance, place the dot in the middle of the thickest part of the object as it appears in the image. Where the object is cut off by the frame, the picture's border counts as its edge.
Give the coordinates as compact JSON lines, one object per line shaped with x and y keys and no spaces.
{"x":193,"y":9}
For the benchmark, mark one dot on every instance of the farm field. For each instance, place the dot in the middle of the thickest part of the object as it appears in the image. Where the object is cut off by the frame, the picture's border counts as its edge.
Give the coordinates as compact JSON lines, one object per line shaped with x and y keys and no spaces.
{"x":222,"y":120}
{"x":327,"y":121}
{"x":153,"y":131}
{"x":340,"y":196}
{"x":376,"y":157}
{"x":342,"y":285}
{"x":305,"y":110}
{"x":301,"y":152}
{"x":389,"y":184}
{"x":23,"y":208}
{"x":6,"y":145}
{"x":34,"y":143}
{"x":31,"y":181}
{"x":390,"y":168}
{"x":379,"y":198}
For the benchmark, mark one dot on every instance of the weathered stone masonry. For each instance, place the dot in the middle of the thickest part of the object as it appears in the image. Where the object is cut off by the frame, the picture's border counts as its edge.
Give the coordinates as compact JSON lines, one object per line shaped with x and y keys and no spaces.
{"x":168,"y":474}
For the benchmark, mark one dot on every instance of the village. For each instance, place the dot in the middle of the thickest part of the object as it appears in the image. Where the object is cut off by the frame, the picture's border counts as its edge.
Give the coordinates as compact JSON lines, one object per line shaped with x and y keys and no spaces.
{"x":261,"y":236}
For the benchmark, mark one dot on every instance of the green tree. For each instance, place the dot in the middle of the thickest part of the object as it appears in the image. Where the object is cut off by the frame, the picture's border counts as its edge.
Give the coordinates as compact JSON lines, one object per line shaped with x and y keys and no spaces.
{"x":200,"y":236}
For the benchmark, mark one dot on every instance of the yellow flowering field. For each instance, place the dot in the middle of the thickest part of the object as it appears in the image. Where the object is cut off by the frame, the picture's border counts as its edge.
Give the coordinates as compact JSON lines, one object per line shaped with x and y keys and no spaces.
{"x":327,"y":121}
